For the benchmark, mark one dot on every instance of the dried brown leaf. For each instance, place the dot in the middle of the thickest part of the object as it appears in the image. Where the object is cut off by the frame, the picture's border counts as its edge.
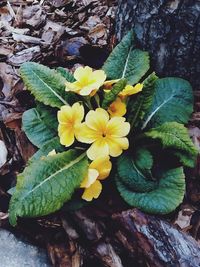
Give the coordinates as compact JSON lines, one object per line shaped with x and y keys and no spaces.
{"x":9,"y":78}
{"x":29,"y":54}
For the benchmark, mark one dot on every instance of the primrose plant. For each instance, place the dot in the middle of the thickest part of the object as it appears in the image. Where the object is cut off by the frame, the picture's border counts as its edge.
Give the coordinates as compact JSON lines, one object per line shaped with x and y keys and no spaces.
{"x":121,"y":118}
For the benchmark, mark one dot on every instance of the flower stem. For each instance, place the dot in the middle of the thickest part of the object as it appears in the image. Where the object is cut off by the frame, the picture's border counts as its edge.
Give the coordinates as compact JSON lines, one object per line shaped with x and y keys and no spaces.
{"x":97,"y":99}
{"x":88,"y":102}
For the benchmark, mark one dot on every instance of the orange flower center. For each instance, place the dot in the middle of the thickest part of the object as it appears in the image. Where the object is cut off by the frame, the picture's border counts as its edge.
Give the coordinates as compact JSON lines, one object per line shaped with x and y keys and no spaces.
{"x":113,"y":108}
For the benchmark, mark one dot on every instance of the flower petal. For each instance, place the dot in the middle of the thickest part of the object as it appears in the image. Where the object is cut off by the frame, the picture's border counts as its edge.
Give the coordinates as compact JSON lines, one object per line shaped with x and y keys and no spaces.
{"x":99,"y":76}
{"x":67,"y":137}
{"x":103,"y":165}
{"x":117,"y":145}
{"x":87,"y":81}
{"x":85,"y":134}
{"x":131,"y":90}
{"x":87,"y":90}
{"x":77,"y":113}
{"x":117,"y":108}
{"x":82,"y":74}
{"x":93,"y":191}
{"x":98,"y":149}
{"x":64,"y":114}
{"x":90,"y":178}
{"x":97,"y":119}
{"x":118,"y":127}
{"x":74,"y":87}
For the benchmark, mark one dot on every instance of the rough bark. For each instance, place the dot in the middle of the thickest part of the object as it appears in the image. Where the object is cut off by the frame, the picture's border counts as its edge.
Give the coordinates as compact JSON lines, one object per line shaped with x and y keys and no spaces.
{"x":89,"y":237}
{"x":99,"y":244}
{"x":169,"y":30}
{"x":158,"y":242}
{"x":130,"y":238}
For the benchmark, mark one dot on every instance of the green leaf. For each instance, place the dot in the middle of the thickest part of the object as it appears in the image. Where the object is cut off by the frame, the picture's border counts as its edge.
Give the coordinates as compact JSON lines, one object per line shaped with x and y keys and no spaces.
{"x":48,"y":115}
{"x":163,"y":199}
{"x":113,"y":93}
{"x":66,"y":74}
{"x":53,"y":143}
{"x":47,"y":85}
{"x":11,"y":191}
{"x":71,"y":97}
{"x":139,"y":107}
{"x":132,"y":171}
{"x":174,"y":135}
{"x":40,"y":125}
{"x":185,"y":158}
{"x":144,"y":161}
{"x":47,"y":184}
{"x":126,"y":62}
{"x":173,"y":101}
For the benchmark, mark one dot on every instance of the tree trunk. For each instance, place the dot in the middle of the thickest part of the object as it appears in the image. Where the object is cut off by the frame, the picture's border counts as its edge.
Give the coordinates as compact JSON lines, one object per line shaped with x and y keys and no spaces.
{"x":155,"y":240}
{"x":129,"y":238}
{"x":169,"y":30}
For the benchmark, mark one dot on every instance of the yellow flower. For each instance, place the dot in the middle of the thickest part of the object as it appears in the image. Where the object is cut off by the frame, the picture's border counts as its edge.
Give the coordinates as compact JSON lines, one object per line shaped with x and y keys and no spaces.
{"x":87,"y":81}
{"x":93,"y":191}
{"x":107,"y":136}
{"x":99,"y":169}
{"x":127,"y":91}
{"x":117,"y":108}
{"x":131,"y":90}
{"x":103,"y":165}
{"x":69,"y":118}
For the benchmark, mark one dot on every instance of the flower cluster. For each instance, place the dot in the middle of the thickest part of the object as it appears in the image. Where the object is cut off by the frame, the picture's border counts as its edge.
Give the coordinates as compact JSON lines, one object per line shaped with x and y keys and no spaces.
{"x":105,"y":131}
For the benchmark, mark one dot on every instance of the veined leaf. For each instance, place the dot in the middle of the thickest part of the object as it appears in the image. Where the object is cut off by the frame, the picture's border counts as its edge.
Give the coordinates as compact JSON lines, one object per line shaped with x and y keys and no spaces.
{"x":47,"y":85}
{"x":163,"y":199}
{"x":139,"y":107}
{"x":113,"y":93}
{"x":40,"y":125}
{"x":174,"y":135}
{"x":185,"y":158}
{"x":71,"y":97}
{"x":45,"y":185}
{"x":126,"y":62}
{"x":133,"y":171}
{"x":173,"y":101}
{"x":144,"y":161}
{"x":48,"y":115}
{"x":66,"y":74}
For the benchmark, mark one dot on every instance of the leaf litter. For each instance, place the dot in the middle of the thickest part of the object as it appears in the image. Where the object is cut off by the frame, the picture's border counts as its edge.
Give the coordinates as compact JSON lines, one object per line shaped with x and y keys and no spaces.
{"x":66,"y":33}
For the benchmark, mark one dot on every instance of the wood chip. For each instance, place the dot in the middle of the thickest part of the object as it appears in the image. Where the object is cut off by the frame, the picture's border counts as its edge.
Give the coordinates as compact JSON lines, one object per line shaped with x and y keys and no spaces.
{"x":9,"y":77}
{"x":33,"y":15}
{"x":26,"y":39}
{"x":3,"y":153}
{"x":97,"y":32}
{"x":25,"y":55}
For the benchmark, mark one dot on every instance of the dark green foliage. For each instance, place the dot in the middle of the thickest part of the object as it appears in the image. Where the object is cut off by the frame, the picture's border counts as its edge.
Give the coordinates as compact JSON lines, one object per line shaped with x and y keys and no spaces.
{"x":175,"y":136}
{"x":164,"y":198}
{"x":126,"y":62}
{"x":45,"y":185}
{"x":137,"y":108}
{"x":112,"y":95}
{"x":40,"y":124}
{"x":172,"y":101}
